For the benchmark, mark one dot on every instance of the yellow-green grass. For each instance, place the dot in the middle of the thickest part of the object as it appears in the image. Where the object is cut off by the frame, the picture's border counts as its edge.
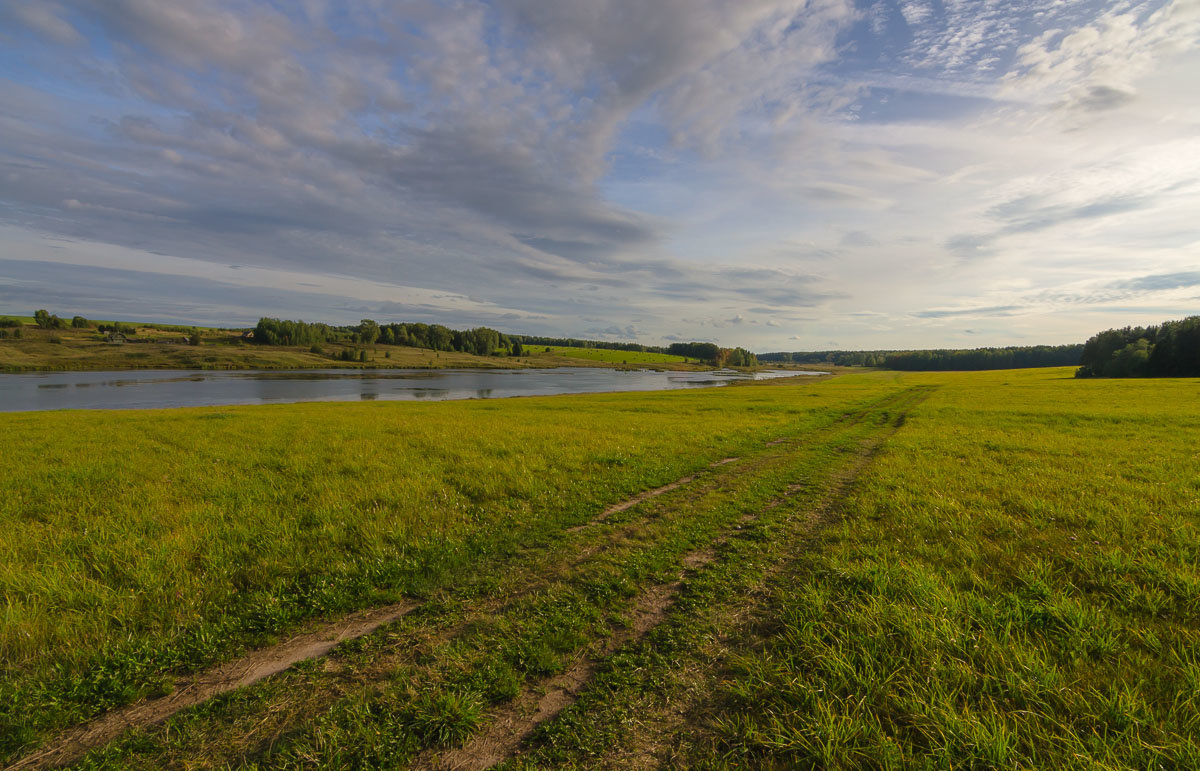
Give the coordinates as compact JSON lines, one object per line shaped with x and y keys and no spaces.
{"x":151,"y":348}
{"x":1013,"y":580}
{"x":137,"y":543}
{"x":604,"y":355}
{"x":1014,"y":583}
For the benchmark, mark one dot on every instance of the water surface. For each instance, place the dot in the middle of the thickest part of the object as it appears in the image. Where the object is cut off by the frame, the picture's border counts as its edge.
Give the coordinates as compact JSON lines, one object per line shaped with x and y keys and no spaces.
{"x":191,"y":388}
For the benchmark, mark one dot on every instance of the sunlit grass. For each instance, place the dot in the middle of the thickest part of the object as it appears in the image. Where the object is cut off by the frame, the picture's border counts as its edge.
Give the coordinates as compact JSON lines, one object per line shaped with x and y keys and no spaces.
{"x":140,"y":542}
{"x":604,"y":355}
{"x":1014,"y":583}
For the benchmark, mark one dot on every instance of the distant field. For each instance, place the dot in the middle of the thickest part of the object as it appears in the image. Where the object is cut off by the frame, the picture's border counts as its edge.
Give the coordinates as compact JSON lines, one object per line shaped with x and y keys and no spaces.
{"x":878,"y":570}
{"x":151,"y":348}
{"x":604,"y":355}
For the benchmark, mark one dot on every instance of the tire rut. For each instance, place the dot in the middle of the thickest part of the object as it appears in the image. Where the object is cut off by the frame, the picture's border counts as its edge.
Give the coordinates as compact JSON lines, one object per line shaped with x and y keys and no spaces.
{"x":192,"y":690}
{"x":514,"y":723}
{"x":644,"y":750}
{"x":223,"y":678}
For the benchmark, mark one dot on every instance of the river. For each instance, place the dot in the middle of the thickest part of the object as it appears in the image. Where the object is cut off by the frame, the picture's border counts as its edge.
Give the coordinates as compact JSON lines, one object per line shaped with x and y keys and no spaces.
{"x":140,"y":389}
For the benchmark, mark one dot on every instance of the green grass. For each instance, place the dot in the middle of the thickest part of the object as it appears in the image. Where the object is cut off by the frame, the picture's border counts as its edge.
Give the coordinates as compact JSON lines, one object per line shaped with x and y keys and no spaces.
{"x":143,"y":542}
{"x":604,"y":355}
{"x":164,"y":348}
{"x":1013,"y":581}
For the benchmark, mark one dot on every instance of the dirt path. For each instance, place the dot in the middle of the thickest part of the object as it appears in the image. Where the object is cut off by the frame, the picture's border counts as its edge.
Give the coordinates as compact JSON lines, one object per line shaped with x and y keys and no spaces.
{"x":516,"y":721}
{"x":193,"y":690}
{"x":629,"y":503}
{"x":258,"y":665}
{"x":647,"y":745}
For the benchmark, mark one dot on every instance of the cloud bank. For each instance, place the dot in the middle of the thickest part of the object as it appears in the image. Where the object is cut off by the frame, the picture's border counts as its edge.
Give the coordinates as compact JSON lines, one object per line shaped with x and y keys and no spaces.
{"x":772,"y":173}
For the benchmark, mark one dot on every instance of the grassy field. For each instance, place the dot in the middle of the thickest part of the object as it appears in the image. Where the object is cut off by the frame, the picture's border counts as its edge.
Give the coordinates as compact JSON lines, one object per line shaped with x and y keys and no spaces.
{"x":154,"y":348}
{"x":150,"y":348}
{"x":985,"y":570}
{"x":603,"y":355}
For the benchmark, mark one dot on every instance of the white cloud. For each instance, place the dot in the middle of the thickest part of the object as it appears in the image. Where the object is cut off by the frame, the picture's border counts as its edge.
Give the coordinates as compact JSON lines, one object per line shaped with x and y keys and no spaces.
{"x":766,"y":161}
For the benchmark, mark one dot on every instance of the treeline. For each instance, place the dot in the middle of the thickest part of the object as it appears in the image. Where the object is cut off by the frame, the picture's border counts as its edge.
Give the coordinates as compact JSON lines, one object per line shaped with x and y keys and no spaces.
{"x":838,"y":358}
{"x":942,"y":359}
{"x":1015,"y":357}
{"x":1170,"y":349}
{"x":481,"y":341}
{"x":714,"y":354}
{"x":571,"y":342}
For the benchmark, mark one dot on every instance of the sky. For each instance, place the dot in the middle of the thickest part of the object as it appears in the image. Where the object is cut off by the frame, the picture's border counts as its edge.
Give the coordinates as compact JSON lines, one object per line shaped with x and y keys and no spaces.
{"x":775,"y":174}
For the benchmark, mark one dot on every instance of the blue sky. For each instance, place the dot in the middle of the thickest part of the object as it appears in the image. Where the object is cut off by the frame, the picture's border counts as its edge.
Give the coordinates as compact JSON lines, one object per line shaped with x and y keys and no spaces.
{"x":779,"y":174}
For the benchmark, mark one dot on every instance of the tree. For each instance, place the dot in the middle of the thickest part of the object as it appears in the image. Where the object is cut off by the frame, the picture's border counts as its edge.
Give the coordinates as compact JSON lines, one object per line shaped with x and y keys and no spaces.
{"x":439,"y":337}
{"x":194,"y":336}
{"x":517,"y":348}
{"x":79,"y":322}
{"x":1130,"y":361}
{"x":45,"y":320}
{"x":368,"y":332}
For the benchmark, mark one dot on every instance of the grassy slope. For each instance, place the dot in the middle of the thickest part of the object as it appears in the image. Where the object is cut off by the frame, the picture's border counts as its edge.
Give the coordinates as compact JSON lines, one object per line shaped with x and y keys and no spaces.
{"x":138,"y":542}
{"x":83,"y":349}
{"x":1012,"y":583}
{"x":154,"y":349}
{"x":604,"y":355}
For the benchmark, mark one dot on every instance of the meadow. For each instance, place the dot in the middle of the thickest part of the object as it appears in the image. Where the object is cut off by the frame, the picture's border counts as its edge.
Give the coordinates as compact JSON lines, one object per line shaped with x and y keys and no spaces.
{"x":603,"y":355}
{"x":167,"y":348}
{"x":875,"y":570}
{"x":155,"y":348}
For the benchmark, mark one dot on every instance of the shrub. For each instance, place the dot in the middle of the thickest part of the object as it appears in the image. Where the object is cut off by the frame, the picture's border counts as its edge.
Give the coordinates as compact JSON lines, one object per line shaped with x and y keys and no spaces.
{"x":9,"y":322}
{"x":317,"y":349}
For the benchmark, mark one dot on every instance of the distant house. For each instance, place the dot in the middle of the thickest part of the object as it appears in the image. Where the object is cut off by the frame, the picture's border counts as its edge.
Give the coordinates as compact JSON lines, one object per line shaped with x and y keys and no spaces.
{"x":117,"y":338}
{"x":248,"y":335}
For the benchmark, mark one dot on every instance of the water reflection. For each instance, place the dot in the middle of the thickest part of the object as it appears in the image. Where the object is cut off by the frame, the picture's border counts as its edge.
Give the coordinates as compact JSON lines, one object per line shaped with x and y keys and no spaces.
{"x":180,"y":388}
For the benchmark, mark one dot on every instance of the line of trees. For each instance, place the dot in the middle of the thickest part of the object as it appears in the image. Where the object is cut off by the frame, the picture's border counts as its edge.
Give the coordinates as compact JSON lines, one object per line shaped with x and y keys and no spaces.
{"x":1170,"y":349}
{"x":482,"y":341}
{"x":1013,"y":357}
{"x":942,"y":359}
{"x":571,"y":342}
{"x":838,"y":358}
{"x":714,"y":354}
